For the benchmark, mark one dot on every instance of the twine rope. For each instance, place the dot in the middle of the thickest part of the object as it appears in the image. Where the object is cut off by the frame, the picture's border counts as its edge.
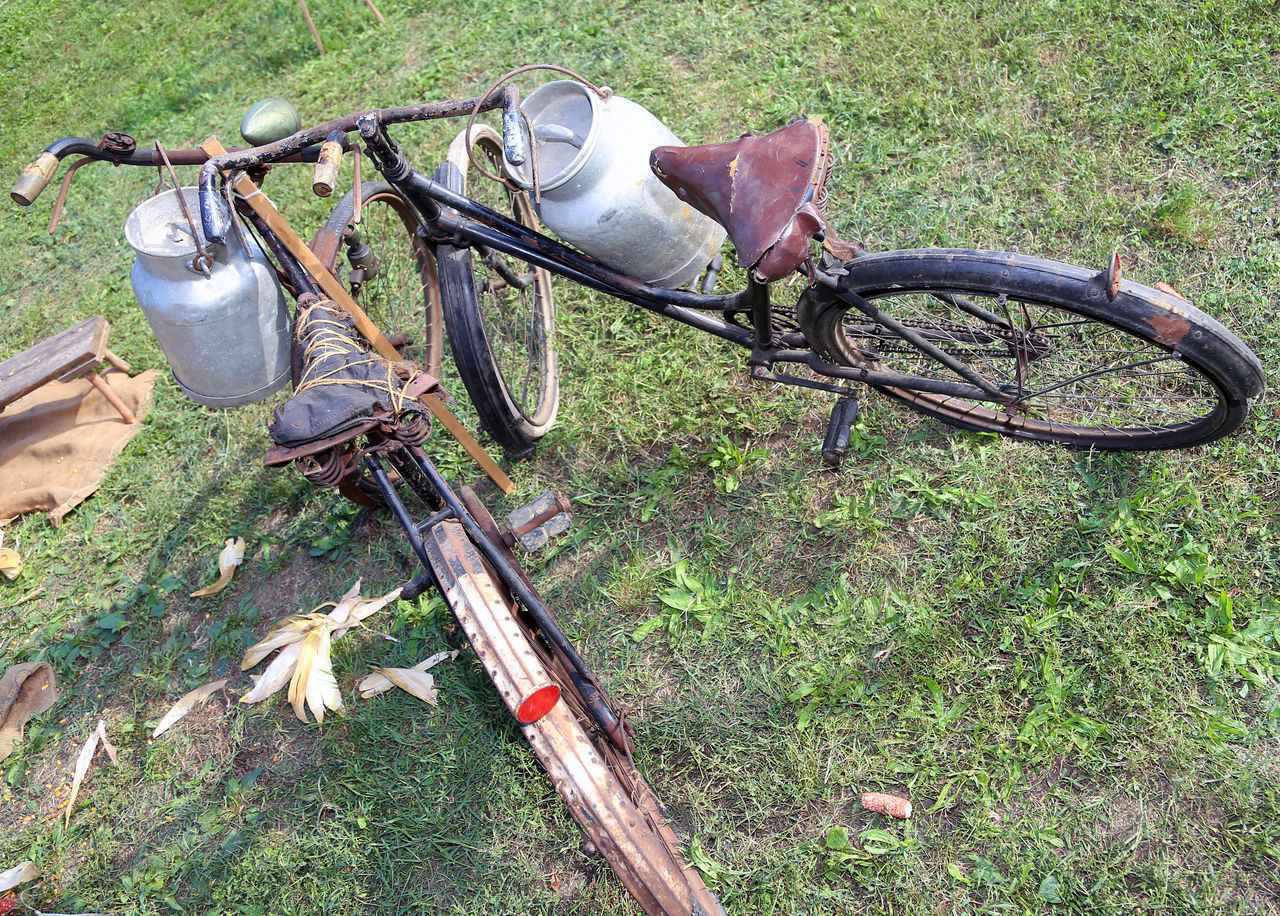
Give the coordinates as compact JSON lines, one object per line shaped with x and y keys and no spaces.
{"x":325,"y":337}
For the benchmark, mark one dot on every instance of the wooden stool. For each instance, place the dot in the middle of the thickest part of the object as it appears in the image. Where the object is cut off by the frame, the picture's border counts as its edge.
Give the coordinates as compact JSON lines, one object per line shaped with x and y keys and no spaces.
{"x":67,"y":355}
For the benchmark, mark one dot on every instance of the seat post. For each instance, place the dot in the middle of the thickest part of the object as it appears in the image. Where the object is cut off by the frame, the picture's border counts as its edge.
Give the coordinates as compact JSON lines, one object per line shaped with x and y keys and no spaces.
{"x":761,"y":312}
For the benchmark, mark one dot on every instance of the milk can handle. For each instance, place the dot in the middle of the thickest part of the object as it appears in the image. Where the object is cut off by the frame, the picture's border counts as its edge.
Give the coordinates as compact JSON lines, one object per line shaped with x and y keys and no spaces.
{"x":515,"y":124}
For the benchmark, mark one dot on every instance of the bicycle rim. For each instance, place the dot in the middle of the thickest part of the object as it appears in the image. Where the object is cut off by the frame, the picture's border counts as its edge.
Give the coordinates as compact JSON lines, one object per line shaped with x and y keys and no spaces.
{"x":1080,"y":368}
{"x":402,"y":295}
{"x":501,"y":315}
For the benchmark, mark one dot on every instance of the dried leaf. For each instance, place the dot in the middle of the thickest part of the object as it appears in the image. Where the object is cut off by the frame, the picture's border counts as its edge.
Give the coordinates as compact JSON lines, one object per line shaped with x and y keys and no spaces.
{"x":107,"y":745}
{"x":82,"y":767}
{"x":358,"y":610}
{"x":419,"y":683}
{"x":19,"y":874}
{"x":289,"y":630}
{"x":276,"y":676}
{"x":231,"y":556}
{"x":345,"y":605}
{"x":314,"y":664}
{"x":186,"y":704}
{"x":376,"y":683}
{"x":10,"y":563}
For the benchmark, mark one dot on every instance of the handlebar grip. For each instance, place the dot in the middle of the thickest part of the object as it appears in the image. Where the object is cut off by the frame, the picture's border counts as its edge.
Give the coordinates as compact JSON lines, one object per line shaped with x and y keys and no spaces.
{"x":515,"y":146}
{"x":327,"y":166}
{"x":34,"y":179}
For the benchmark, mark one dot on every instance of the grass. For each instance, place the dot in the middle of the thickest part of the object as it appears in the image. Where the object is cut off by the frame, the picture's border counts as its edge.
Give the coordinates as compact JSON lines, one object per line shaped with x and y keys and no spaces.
{"x":1067,"y":661}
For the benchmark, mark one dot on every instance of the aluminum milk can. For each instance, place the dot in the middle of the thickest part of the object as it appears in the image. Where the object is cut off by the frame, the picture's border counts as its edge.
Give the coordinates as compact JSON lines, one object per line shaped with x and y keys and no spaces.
{"x":225,"y":335}
{"x":598,"y":192}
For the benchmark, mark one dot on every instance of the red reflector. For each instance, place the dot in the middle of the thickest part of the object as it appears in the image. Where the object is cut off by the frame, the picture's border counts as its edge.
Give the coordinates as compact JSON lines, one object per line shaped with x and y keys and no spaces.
{"x":537,"y":704}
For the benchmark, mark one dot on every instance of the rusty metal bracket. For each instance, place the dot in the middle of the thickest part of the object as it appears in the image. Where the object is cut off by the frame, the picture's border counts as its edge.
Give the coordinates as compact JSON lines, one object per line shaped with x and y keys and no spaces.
{"x":1112,"y":276}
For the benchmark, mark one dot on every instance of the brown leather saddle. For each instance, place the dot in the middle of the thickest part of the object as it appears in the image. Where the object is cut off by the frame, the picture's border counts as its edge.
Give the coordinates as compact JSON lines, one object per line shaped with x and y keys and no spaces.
{"x":767,"y":191}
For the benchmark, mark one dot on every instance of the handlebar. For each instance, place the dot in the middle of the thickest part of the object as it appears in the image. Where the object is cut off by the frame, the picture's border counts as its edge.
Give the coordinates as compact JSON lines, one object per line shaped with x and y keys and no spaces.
{"x":34,"y":179}
{"x":115,"y":148}
{"x":323,"y":144}
{"x":211,"y":215}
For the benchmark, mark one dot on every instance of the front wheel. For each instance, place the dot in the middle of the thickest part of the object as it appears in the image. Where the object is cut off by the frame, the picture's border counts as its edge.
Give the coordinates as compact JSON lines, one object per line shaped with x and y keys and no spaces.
{"x":1076,"y":363}
{"x":390,"y":268}
{"x":613,"y":805}
{"x":498,"y":310}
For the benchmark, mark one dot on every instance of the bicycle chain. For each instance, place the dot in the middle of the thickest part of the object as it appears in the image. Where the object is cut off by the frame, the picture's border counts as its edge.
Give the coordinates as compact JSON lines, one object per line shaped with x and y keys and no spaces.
{"x":784,"y":319}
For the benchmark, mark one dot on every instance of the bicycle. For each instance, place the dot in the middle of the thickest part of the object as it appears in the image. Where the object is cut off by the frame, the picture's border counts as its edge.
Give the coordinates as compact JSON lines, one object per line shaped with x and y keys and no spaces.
{"x":968,"y":326}
{"x":994,"y":341}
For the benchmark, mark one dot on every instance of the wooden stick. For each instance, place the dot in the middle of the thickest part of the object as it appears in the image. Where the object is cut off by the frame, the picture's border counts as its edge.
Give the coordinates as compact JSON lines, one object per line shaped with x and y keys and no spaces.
{"x":334,"y":289}
{"x":109,"y":393}
{"x":117,"y":362}
{"x":306,"y":14}
{"x":369,"y":3}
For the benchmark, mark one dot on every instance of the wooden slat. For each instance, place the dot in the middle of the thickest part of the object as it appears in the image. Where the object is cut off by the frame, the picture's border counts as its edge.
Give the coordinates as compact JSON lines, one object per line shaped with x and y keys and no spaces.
{"x":66,"y":355}
{"x":334,"y":289}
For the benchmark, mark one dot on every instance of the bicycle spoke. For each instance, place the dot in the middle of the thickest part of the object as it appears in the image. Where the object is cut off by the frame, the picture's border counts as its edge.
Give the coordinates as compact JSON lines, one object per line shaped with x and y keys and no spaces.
{"x":1057,"y":367}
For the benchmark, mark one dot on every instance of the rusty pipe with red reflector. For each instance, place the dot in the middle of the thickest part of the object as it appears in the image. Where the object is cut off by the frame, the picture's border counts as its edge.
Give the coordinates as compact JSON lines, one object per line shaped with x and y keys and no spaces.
{"x":488,"y":619}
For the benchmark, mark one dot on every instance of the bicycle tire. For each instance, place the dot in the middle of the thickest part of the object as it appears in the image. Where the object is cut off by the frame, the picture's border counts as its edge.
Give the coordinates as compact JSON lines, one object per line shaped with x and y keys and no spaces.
{"x":500,"y":334}
{"x":403,"y":295}
{"x":1123,"y":369}
{"x":614,"y":807}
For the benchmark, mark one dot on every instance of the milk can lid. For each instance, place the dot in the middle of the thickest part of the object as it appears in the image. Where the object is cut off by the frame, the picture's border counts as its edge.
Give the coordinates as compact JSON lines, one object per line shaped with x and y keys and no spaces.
{"x":564,"y":115}
{"x":158,"y":227}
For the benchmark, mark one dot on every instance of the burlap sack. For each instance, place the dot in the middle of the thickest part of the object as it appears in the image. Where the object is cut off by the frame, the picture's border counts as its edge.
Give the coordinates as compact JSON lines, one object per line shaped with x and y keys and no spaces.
{"x":56,"y":442}
{"x":26,"y":690}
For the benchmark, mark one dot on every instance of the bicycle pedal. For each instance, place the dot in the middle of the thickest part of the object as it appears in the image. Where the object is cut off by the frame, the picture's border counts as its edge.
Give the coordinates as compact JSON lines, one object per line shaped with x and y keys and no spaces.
{"x":843,"y":416}
{"x":533,"y":526}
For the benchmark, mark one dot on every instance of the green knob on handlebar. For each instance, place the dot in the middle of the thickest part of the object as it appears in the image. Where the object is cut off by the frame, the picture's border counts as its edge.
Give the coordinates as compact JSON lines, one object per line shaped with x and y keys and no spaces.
{"x":268,"y":121}
{"x":34,"y":179}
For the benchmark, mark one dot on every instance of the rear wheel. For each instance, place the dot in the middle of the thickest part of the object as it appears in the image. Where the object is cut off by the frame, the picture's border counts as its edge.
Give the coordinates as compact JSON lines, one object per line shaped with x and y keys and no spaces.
{"x":615,"y":808}
{"x":498,"y":310}
{"x":1137,"y":369}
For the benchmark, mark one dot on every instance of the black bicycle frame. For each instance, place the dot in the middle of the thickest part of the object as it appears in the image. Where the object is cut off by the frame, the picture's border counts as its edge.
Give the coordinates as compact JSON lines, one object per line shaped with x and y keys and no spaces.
{"x":454,"y":219}
{"x":472,"y":223}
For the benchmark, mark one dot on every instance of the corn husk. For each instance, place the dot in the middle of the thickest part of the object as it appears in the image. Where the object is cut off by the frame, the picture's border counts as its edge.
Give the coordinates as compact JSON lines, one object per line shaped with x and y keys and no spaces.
{"x":231,"y":556}
{"x":19,"y":874}
{"x":342,"y":610}
{"x":179,"y":709}
{"x":419,"y":683}
{"x":82,"y":767}
{"x":304,"y":661}
{"x":377,"y":682}
{"x":10,"y":563}
{"x":291,"y":629}
{"x":345,"y":616}
{"x":112,"y":753}
{"x":313,"y":683}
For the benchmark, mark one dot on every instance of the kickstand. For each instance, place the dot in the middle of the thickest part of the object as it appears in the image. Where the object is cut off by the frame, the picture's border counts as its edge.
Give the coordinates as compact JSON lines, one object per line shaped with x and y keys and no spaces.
{"x":843,"y":415}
